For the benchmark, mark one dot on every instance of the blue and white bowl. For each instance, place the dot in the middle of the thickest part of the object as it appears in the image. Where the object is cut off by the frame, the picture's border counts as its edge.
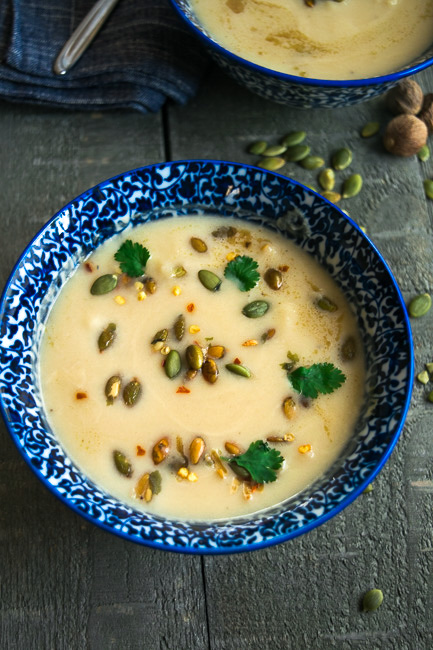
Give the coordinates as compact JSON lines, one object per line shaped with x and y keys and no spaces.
{"x":293,"y":90}
{"x":228,"y":189}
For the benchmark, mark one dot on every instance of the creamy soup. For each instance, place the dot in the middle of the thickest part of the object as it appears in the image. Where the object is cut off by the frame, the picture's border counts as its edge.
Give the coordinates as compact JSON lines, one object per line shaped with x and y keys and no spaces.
{"x":166,"y":441}
{"x":352,"y":39}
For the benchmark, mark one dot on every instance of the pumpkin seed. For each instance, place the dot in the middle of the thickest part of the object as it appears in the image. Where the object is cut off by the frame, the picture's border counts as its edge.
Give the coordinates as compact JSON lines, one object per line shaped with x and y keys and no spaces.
{"x":370,"y":129}
{"x":122,"y":463}
{"x":241,"y":472}
{"x":255,"y":309}
{"x":327,"y":179}
{"x":190,"y":374}
{"x":194,"y":356}
{"x":160,"y":451}
{"x":155,"y":481}
{"x":210,"y":371}
{"x":266,"y":336}
{"x":424,"y":153}
{"x":104,"y":284}
{"x":179,"y":327}
{"x":287,"y":437}
{"x":429,"y":368}
{"x":297,"y":153}
{"x":430,"y":396}
{"x":198,"y":245}
{"x":107,"y":337}
{"x":293,"y":138}
{"x":131,"y":392}
{"x":348,"y":349}
{"x":238,"y":369}
{"x":216,"y":351}
{"x":232,"y":448}
{"x":224,"y":232}
{"x":112,"y":389}
{"x":273,"y":279}
{"x":342,"y":159}
{"x":271,"y":164}
{"x":352,"y":186}
{"x":372,"y":600}
{"x":160,"y":336}
{"x":423,"y":377}
{"x":257,"y":148}
{"x":150,"y":285}
{"x":274,"y":150}
{"x":209,"y":280}
{"x":312,"y":162}
{"x":196,"y":450}
{"x":172,"y":364}
{"x":326,"y":304}
{"x":178,"y":272}
{"x":368,"y":489}
{"x":142,"y":486}
{"x":334,"y":197}
{"x":428,"y":188}
{"x":420,"y":305}
{"x":289,"y":407}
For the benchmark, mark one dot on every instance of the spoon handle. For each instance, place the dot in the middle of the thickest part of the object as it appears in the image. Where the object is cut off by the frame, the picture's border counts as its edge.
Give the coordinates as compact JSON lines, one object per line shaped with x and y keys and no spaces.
{"x":83,"y":35}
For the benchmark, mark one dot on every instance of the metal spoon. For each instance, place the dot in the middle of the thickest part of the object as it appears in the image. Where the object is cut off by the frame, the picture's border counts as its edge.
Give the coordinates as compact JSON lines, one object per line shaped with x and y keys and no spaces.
{"x":83,"y":35}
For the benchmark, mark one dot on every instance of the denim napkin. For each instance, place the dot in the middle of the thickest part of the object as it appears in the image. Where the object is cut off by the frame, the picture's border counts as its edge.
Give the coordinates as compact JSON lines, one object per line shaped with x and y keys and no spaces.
{"x":142,"y":56}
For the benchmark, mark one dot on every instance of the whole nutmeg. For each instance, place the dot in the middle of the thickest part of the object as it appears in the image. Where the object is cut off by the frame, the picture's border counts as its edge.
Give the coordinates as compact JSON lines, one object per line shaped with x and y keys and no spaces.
{"x":426,"y":114}
{"x":405,"y":98}
{"x":405,"y":135}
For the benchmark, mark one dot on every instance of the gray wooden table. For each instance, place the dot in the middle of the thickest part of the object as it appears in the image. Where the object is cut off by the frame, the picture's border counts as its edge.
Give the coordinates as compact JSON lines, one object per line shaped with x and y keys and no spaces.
{"x":67,"y":585}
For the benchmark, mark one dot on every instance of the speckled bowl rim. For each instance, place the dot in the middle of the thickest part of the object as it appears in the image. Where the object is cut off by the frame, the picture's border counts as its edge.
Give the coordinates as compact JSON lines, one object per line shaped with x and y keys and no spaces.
{"x":255,"y":545}
{"x":392,"y":77}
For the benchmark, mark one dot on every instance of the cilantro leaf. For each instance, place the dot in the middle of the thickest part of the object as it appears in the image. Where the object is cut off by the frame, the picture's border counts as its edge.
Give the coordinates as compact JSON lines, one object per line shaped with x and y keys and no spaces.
{"x":315,"y":379}
{"x":132,"y":257}
{"x":242,"y":271}
{"x":260,"y":461}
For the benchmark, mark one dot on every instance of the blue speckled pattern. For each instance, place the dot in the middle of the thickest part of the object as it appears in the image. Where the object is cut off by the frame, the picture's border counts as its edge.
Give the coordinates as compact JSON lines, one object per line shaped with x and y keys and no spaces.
{"x":168,"y":190}
{"x":291,"y":90}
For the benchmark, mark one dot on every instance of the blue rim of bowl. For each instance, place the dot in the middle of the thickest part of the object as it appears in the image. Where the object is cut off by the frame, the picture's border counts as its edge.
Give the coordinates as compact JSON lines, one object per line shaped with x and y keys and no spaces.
{"x":303,"y":81}
{"x":321,"y":519}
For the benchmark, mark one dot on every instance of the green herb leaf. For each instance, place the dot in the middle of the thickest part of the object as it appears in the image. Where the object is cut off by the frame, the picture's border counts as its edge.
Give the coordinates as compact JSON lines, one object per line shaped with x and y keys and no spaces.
{"x":315,"y":379}
{"x":242,"y":271}
{"x":132,"y":257}
{"x":260,"y":460}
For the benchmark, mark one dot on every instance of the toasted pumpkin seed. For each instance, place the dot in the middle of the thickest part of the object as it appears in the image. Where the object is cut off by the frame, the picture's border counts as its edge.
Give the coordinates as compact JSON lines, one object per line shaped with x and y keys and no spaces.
{"x":257,"y":148}
{"x":160,"y":451}
{"x":160,"y":336}
{"x":232,"y":448}
{"x":273,"y":279}
{"x":198,"y":245}
{"x":106,"y":337}
{"x":293,"y":138}
{"x":420,"y":305}
{"x":210,"y":371}
{"x":424,"y":153}
{"x":172,"y":364}
{"x":104,"y":284}
{"x":155,"y":481}
{"x":142,"y":486}
{"x":131,"y":392}
{"x":255,"y":309}
{"x":342,"y":159}
{"x":216,"y":351}
{"x":112,"y":389}
{"x":122,"y":463}
{"x":150,"y":285}
{"x":274,"y":150}
{"x":196,"y":450}
{"x":327,"y":179}
{"x":224,"y":232}
{"x":372,"y":600}
{"x":266,"y":336}
{"x":178,"y":272}
{"x":326,"y":304}
{"x":289,"y":407}
{"x":348,"y":349}
{"x":194,"y":356}
{"x":190,"y":374}
{"x":209,"y":280}
{"x":271,"y":164}
{"x":216,"y":458}
{"x":352,"y":186}
{"x":334,"y":197}
{"x":370,"y":129}
{"x":238,"y":369}
{"x":287,"y":437}
{"x":179,"y":327}
{"x":312,"y":162}
{"x":297,"y":153}
{"x":428,"y":188}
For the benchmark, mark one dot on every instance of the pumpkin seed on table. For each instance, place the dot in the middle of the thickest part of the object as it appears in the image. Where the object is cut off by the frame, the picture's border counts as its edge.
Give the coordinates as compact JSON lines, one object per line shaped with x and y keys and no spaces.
{"x":112,"y":389}
{"x":238,"y":369}
{"x":334,"y":197}
{"x":257,"y":148}
{"x":271,"y":164}
{"x":122,"y":463}
{"x":424,"y":153}
{"x":160,"y":451}
{"x":131,"y":392}
{"x":312,"y":162}
{"x":198,"y":245}
{"x":104,"y":284}
{"x":194,"y":356}
{"x":372,"y":600}
{"x":196,"y":450}
{"x":210,"y":371}
{"x":342,"y":159}
{"x":274,"y":150}
{"x":420,"y":305}
{"x":428,"y":188}
{"x":209,"y":280}
{"x":297,"y":153}
{"x":179,"y":327}
{"x":430,"y":396}
{"x":423,"y":377}
{"x":294,"y":138}
{"x":327,"y":179}
{"x":255,"y":309}
{"x":172,"y":364}
{"x":352,"y":186}
{"x":370,"y":129}
{"x":273,"y":279}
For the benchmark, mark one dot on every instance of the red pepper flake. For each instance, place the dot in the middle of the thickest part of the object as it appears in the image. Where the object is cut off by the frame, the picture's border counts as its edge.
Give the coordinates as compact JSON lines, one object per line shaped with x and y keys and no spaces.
{"x":237,"y":360}
{"x":190,"y":307}
{"x":88,"y":266}
{"x":283,"y":268}
{"x":80,"y":395}
{"x":183,"y":389}
{"x":140,"y":450}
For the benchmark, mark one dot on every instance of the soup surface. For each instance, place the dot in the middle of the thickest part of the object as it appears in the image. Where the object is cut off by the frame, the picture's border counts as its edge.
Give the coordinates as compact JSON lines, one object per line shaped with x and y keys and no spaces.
{"x":352,"y":39}
{"x":301,"y":322}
